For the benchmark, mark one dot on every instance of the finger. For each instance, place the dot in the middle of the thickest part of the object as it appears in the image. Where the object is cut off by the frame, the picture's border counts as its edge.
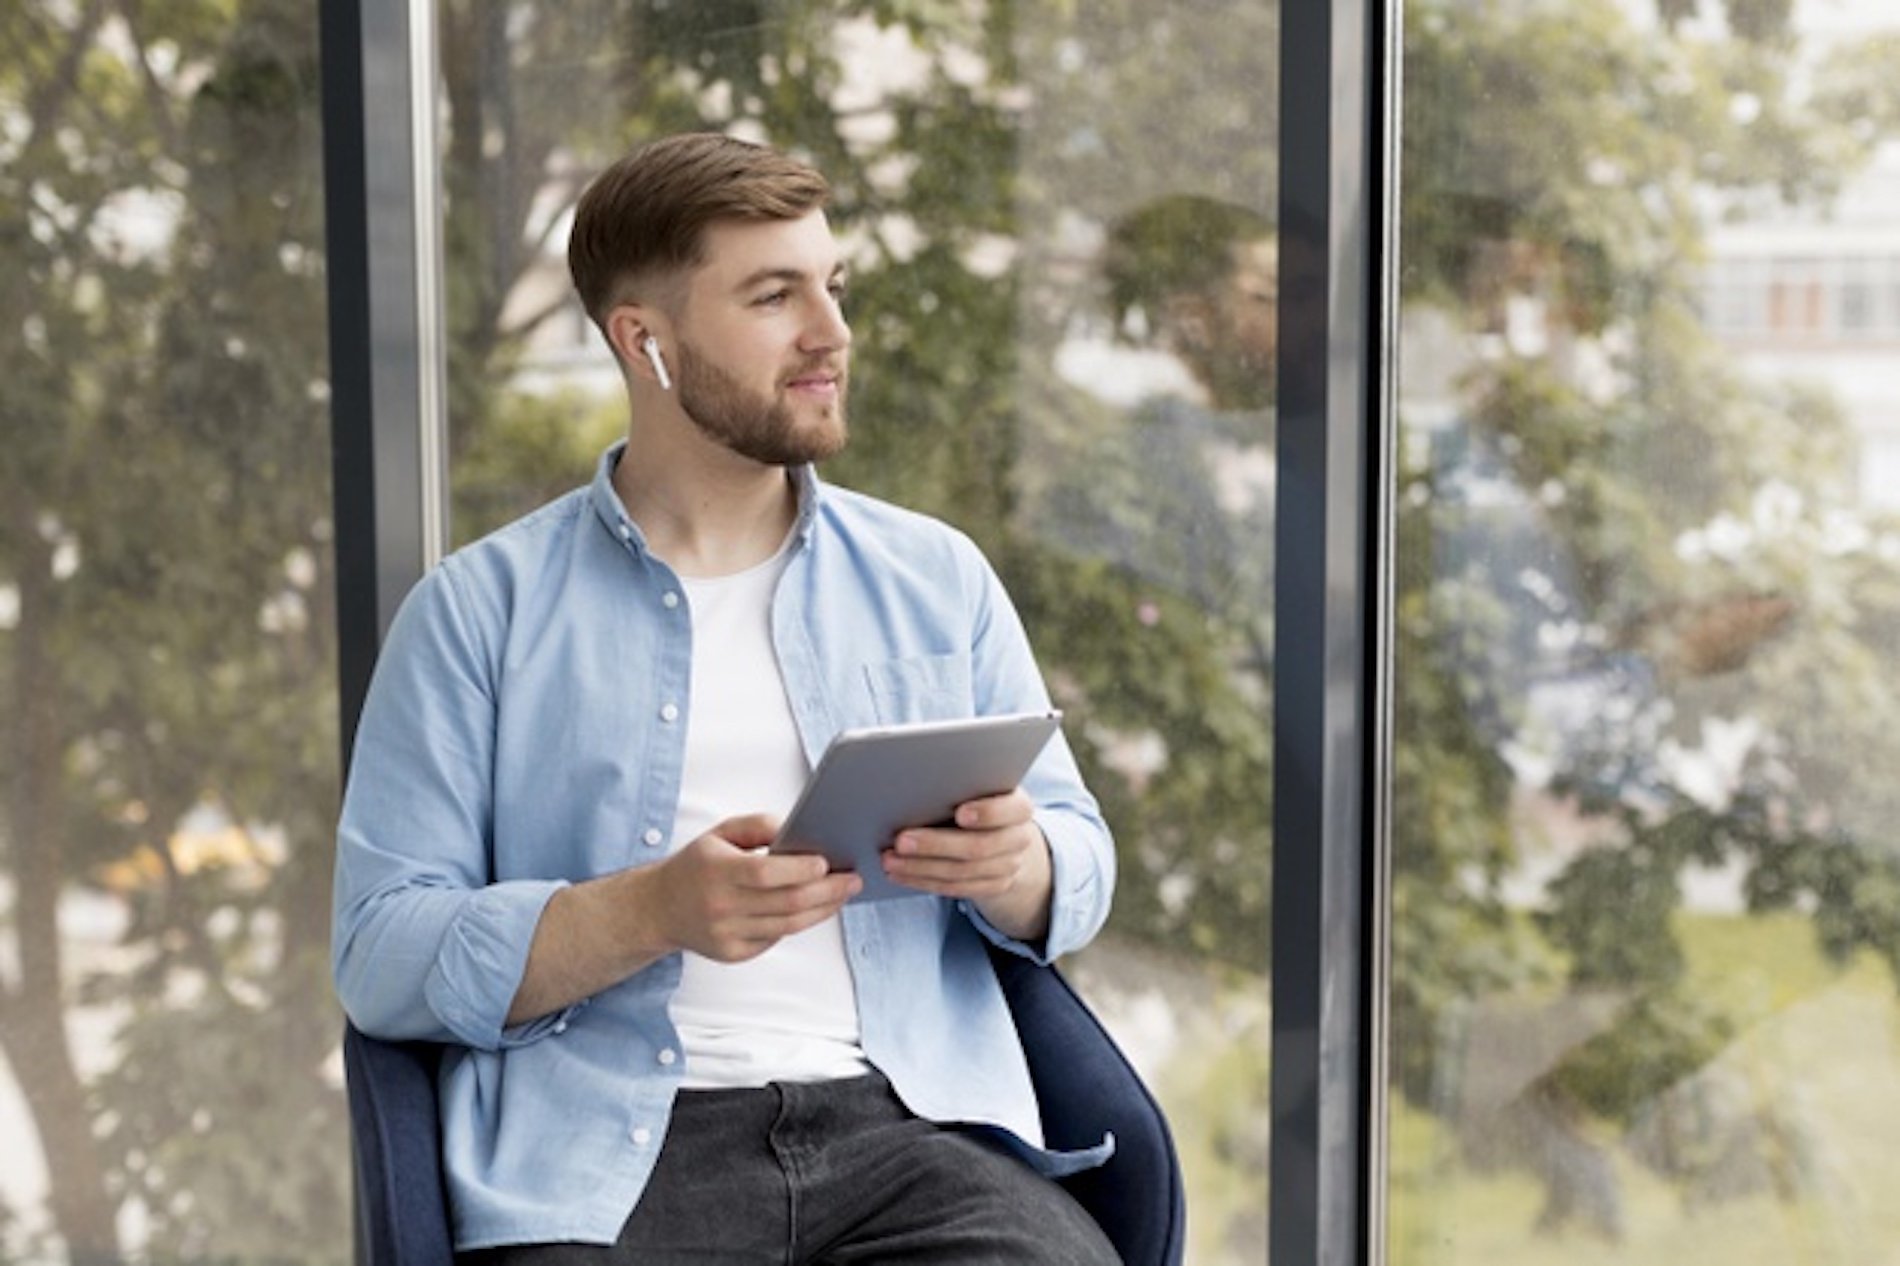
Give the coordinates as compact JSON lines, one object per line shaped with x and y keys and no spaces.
{"x":825,"y":894}
{"x":823,"y":891}
{"x":790,"y":922}
{"x":960,"y":886}
{"x":769,"y":871}
{"x":737,"y":948}
{"x":941,"y":875}
{"x":792,"y":911}
{"x":962,"y":845}
{"x":953,"y":846}
{"x":988,"y":813}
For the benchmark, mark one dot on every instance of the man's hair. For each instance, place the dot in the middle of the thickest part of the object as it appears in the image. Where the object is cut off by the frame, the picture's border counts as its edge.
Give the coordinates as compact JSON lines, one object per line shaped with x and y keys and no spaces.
{"x":1177,"y":245}
{"x":647,"y":215}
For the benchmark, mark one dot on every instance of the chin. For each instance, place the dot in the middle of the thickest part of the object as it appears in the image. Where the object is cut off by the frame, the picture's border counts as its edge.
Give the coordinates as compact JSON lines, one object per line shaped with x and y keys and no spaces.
{"x":827,"y":446}
{"x":826,"y":435}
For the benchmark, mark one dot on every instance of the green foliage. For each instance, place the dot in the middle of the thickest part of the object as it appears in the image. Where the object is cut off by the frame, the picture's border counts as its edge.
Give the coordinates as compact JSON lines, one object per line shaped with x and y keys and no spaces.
{"x":955,"y":411}
{"x":1660,"y":1041}
{"x":167,"y":535}
{"x":1175,"y":245}
{"x":239,"y":1161}
{"x":1558,"y":156}
{"x":1553,"y":152}
{"x":1858,"y":87}
{"x":526,"y":453}
{"x":1216,"y":1100}
{"x":166,"y":526}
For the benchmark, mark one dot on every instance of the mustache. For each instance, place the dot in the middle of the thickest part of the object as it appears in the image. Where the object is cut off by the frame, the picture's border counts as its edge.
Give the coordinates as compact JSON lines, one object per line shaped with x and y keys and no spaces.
{"x":827,"y":366}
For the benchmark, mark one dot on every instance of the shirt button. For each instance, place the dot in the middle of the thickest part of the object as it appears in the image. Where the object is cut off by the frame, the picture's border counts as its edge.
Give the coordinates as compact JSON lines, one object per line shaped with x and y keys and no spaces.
{"x":560,"y":1026}
{"x":652,"y":837}
{"x":669,"y":599}
{"x":669,"y":1057}
{"x":670,"y":712}
{"x":641,"y":1135}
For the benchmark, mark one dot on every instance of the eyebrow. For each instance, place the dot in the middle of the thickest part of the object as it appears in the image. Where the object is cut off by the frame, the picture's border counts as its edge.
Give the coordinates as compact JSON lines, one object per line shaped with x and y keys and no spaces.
{"x":764,"y":275}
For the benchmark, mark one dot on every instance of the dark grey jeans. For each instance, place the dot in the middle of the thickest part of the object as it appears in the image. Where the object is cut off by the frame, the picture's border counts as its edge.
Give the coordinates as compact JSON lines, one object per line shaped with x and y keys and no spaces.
{"x":831,"y":1172}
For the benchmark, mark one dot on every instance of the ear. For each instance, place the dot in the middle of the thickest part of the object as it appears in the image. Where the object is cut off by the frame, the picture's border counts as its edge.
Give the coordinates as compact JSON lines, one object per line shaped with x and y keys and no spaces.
{"x":627,"y":329}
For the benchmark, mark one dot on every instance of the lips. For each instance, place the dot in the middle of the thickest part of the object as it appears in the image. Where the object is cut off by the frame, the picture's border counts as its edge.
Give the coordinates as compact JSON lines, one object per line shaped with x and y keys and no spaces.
{"x":819,"y":381}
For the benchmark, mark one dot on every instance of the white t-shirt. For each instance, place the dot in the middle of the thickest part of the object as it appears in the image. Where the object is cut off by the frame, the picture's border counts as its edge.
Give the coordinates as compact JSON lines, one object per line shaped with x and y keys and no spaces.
{"x":791,"y":1014}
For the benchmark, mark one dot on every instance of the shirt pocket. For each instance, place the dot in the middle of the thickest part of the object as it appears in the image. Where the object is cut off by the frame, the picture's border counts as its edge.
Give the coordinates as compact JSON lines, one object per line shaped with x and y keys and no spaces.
{"x":920,"y":688}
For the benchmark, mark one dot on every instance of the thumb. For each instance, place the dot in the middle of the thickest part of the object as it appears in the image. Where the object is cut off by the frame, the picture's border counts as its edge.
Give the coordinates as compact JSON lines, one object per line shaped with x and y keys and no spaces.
{"x":752,"y":830}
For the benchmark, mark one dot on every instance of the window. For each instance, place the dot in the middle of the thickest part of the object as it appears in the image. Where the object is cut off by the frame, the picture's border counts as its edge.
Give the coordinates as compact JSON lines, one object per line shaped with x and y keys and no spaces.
{"x":1643,"y":983}
{"x":1855,"y":287}
{"x":167,"y":642}
{"x":1796,"y":298}
{"x":1063,"y":307}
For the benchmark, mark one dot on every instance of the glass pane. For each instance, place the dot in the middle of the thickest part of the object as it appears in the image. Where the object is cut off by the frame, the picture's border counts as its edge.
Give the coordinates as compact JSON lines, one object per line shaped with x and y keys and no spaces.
{"x":169,"y":1089}
{"x":1062,"y":301}
{"x":1645,"y":937}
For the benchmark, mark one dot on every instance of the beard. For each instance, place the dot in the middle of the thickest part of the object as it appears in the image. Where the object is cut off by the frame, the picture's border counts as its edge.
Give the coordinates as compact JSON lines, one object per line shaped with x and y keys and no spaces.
{"x":752,"y":424}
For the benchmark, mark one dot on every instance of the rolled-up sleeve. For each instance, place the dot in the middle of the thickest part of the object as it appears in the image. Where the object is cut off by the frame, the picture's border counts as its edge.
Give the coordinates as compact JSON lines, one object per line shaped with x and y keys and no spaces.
{"x":1081,"y":848}
{"x":424,"y":944}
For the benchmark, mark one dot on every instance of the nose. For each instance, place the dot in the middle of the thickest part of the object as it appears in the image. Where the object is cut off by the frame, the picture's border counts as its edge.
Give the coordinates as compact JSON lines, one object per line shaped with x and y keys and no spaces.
{"x":827,"y":331}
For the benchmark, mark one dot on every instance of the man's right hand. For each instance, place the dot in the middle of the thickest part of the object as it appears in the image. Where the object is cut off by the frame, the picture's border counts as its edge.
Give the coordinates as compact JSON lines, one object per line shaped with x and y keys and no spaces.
{"x":722,"y":896}
{"x":726,"y":897}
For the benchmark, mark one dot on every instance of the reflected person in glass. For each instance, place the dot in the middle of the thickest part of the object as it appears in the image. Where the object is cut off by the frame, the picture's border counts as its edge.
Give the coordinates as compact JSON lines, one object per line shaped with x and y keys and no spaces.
{"x":1176,"y":490}
{"x":665,"y":1043}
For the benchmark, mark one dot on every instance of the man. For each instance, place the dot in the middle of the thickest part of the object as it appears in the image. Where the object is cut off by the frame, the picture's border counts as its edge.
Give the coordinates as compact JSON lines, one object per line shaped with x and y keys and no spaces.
{"x":1201,"y":277}
{"x":1177,"y":492}
{"x":581,"y":734}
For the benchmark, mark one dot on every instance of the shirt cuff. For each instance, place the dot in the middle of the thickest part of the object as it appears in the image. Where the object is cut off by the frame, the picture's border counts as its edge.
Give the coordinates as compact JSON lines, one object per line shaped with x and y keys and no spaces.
{"x":1077,"y":901}
{"x":483,"y":956}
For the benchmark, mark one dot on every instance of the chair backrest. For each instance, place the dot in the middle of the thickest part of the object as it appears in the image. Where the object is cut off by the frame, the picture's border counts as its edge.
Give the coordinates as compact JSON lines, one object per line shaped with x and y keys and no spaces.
{"x":1085,"y":1085}
{"x":402,"y":1207}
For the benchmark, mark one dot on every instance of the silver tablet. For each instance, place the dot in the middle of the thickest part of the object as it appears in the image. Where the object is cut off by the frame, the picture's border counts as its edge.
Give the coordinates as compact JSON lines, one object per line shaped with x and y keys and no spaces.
{"x":872,"y":783}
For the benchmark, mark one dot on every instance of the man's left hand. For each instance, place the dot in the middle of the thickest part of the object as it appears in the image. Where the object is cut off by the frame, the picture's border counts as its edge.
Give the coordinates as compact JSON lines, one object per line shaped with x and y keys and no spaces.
{"x":995,"y":856}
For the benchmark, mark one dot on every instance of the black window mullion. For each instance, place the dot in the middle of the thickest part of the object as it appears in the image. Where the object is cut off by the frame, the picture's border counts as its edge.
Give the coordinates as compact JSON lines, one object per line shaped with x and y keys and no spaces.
{"x":384,"y":454}
{"x":1331,"y":723}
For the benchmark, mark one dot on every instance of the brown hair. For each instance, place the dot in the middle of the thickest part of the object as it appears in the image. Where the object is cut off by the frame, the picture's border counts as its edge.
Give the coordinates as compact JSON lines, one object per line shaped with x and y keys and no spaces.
{"x":648,"y":213}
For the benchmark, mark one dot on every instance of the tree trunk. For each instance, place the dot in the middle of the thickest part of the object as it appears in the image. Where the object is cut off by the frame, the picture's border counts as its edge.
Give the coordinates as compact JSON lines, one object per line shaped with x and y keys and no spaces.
{"x":32,"y":1014}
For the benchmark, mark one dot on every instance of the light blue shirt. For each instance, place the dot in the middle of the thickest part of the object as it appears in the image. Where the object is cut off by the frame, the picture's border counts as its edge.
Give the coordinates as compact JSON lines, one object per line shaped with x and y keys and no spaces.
{"x":526,"y":728}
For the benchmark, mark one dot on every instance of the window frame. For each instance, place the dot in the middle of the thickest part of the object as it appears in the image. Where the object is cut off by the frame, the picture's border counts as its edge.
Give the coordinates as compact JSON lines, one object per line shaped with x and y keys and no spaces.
{"x":1339,"y":72}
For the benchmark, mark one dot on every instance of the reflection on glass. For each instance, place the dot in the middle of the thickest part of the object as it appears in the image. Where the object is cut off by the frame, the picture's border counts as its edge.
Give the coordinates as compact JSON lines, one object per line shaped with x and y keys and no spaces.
{"x":1645,"y":937}
{"x":168,"y":781}
{"x":1062,"y":302}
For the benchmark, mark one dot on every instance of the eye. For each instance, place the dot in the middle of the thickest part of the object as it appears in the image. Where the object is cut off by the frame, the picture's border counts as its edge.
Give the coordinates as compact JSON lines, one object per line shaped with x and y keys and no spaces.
{"x":774,"y":299}
{"x":838,"y":290}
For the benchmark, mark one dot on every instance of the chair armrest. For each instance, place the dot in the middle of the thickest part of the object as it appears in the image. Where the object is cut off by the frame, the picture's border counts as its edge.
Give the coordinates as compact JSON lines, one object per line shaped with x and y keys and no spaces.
{"x":402,"y":1208}
{"x":1086,"y":1088}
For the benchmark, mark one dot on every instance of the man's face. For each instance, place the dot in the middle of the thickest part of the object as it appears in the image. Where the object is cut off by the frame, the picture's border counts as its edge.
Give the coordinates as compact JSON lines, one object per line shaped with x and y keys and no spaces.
{"x":1249,"y":303}
{"x":1229,"y":331}
{"x":763,"y":350}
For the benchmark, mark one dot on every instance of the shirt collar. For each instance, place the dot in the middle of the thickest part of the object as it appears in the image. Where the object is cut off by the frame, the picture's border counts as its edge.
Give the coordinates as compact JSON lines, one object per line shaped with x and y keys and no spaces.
{"x":611,"y":512}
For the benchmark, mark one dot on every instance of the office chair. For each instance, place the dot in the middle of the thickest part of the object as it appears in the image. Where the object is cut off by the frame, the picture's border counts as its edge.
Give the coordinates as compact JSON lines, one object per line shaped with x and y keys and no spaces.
{"x":1085,"y":1086}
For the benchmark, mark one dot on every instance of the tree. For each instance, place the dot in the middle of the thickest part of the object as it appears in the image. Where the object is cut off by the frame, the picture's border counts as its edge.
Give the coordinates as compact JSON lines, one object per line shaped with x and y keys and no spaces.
{"x":1558,"y":156}
{"x":956,"y":400}
{"x":170,"y":657}
{"x":175,"y":657}
{"x":972,"y":187}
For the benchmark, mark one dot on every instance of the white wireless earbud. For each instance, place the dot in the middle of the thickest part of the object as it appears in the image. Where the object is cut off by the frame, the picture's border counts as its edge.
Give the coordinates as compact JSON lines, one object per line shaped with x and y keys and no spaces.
{"x":651,"y":346}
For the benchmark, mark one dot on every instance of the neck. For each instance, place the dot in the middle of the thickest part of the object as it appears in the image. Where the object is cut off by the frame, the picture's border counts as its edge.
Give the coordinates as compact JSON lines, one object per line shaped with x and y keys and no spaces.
{"x":704,"y":510}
